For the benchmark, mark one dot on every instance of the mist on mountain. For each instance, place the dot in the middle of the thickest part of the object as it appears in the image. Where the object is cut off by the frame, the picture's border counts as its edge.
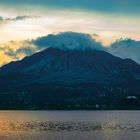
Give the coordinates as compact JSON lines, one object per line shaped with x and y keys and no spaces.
{"x":126,"y":48}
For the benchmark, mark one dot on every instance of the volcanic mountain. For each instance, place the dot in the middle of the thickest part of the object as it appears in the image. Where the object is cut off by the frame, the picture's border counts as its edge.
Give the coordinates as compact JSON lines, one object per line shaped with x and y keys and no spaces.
{"x":70,"y":79}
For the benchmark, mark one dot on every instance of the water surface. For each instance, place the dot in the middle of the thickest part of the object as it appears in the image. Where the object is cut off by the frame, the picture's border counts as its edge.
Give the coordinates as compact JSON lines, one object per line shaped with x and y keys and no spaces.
{"x":70,"y":125}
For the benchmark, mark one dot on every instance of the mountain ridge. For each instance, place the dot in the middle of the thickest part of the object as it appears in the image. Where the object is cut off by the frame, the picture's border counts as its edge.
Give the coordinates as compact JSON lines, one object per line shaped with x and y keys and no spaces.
{"x":56,"y":76}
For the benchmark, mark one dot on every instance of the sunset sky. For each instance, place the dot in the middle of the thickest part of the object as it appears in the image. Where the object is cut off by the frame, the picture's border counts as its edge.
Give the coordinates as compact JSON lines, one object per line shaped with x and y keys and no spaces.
{"x":106,"y":20}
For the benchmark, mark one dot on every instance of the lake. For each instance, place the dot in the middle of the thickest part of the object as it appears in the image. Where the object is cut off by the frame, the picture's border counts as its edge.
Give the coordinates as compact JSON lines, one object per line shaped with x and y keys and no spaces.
{"x":69,"y":125}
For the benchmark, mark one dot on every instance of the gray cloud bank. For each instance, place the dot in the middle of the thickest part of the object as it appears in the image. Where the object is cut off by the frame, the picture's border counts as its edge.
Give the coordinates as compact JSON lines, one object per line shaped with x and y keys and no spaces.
{"x":124,"y":48}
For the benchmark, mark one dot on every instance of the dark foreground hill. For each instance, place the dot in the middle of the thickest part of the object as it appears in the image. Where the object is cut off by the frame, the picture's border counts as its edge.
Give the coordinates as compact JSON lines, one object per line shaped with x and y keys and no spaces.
{"x":70,"y":79}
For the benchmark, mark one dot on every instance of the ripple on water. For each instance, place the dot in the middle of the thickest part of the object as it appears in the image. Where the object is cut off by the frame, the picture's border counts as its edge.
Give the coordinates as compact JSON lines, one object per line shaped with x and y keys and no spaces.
{"x":66,"y":126}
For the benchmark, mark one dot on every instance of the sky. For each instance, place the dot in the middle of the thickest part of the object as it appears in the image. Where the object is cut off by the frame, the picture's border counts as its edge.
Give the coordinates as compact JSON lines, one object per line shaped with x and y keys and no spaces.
{"x":105,"y":20}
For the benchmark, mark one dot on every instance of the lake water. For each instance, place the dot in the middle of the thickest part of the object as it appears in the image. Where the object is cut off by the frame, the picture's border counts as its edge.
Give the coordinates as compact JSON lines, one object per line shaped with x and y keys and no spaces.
{"x":69,"y":125}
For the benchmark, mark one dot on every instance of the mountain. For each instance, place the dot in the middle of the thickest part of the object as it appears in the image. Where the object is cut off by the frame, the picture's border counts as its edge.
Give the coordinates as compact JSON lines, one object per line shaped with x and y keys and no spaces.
{"x":70,"y":79}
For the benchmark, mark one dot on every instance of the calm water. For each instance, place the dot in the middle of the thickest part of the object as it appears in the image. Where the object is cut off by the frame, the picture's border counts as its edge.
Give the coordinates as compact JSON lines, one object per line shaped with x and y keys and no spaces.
{"x":69,"y":125}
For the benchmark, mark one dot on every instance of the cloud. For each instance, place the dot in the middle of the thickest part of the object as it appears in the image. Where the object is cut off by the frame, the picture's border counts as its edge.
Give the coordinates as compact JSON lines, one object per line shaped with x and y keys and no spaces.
{"x":17,"y":18}
{"x":10,"y":52}
{"x":22,"y":17}
{"x":1,"y":18}
{"x":126,"y":48}
{"x":68,"y":40}
{"x":25,"y":48}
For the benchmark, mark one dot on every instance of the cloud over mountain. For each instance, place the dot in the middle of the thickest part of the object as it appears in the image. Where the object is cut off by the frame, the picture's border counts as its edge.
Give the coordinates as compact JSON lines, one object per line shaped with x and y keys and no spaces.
{"x":68,"y":40}
{"x":126,"y":48}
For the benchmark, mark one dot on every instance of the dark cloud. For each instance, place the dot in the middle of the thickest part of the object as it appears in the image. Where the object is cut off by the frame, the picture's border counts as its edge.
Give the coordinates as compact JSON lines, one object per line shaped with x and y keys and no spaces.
{"x":17,"y":18}
{"x":22,"y":17}
{"x":68,"y":40}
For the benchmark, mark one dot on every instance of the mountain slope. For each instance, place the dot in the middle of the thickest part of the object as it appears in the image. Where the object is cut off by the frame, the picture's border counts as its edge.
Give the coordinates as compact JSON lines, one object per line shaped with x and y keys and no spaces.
{"x":57,"y":78}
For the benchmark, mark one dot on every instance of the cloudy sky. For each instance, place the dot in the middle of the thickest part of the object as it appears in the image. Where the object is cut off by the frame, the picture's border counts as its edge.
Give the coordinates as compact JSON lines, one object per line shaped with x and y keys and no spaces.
{"x":106,"y":20}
